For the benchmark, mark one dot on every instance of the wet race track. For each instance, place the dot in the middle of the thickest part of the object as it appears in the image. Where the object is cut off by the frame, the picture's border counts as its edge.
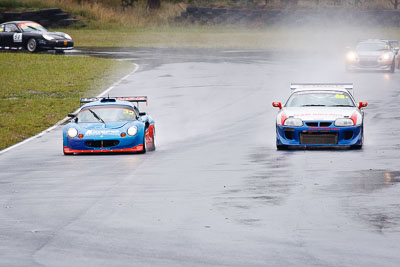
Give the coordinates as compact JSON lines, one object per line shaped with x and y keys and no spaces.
{"x":216,"y":192}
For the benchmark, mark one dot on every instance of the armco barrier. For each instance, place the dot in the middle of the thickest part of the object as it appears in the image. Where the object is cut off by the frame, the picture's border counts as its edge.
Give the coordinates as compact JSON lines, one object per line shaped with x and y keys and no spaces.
{"x":49,"y":17}
{"x":327,"y":16}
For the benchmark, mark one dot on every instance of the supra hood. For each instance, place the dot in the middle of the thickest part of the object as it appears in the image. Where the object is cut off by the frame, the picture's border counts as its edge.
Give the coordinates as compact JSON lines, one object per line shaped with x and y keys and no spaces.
{"x":319,"y":113}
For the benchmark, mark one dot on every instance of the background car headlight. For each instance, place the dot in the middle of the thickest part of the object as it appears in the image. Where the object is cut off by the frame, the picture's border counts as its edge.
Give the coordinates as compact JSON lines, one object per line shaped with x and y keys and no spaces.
{"x":351,"y":56}
{"x":132,"y":130}
{"x":344,"y":122}
{"x":386,"y":56}
{"x":72,"y":132}
{"x":47,"y":37}
{"x":67,"y":36}
{"x":293,"y":122}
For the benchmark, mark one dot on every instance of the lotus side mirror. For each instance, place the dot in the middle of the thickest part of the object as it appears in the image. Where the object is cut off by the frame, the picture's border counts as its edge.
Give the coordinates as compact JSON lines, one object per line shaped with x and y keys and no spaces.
{"x":277,"y":105}
{"x":362,"y":105}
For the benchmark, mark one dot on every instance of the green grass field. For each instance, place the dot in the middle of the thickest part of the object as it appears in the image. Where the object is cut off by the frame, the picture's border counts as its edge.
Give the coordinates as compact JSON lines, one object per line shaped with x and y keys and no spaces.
{"x":230,"y":37}
{"x":38,"y":90}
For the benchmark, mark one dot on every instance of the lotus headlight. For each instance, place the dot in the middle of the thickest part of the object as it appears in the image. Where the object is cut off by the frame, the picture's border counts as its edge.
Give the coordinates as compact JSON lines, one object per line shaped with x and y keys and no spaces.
{"x":72,"y":132}
{"x":47,"y":37}
{"x":351,"y":56}
{"x":132,"y":130}
{"x":386,"y":56}
{"x":293,"y":122}
{"x":67,"y":36}
{"x":344,"y":122}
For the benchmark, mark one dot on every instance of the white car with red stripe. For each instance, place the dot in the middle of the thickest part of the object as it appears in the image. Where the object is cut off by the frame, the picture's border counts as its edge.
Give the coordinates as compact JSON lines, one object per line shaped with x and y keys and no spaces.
{"x":320,"y":115}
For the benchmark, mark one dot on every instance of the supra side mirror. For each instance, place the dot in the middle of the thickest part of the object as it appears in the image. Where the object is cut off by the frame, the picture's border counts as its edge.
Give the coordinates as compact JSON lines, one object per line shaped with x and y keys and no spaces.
{"x":362,"y":104}
{"x":277,"y":105}
{"x":71,"y":115}
{"x":142,"y":113}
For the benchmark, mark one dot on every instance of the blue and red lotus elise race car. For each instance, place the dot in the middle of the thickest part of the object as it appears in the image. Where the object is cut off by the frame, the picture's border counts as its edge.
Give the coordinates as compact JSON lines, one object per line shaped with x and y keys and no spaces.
{"x":109,"y":125}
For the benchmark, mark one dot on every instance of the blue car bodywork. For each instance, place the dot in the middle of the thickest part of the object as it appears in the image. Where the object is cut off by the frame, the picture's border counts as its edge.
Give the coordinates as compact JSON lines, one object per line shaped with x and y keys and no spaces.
{"x":134,"y":134}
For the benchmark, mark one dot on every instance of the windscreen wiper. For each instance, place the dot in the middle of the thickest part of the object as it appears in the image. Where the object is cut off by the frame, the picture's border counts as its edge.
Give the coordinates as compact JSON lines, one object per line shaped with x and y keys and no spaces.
{"x":96,"y":116}
{"x":313,"y":105}
{"x":341,"y":106}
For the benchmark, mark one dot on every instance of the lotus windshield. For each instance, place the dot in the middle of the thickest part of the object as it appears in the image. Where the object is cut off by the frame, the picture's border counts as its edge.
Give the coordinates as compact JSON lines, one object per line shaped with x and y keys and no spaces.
{"x":376,"y":46}
{"x":106,"y":114}
{"x":31,"y":27}
{"x":320,"y":99}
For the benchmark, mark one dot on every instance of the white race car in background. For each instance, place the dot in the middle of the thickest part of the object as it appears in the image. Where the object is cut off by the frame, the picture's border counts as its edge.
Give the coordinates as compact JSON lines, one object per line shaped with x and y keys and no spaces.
{"x":320,"y":115}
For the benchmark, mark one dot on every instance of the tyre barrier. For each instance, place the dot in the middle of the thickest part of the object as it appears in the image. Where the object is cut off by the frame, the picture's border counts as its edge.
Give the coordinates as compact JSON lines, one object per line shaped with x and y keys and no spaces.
{"x":49,"y":17}
{"x":328,"y":17}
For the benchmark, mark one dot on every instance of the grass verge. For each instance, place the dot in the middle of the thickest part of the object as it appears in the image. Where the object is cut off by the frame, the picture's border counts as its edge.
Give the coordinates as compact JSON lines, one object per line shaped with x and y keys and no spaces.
{"x":293,"y":38}
{"x":38,"y":90}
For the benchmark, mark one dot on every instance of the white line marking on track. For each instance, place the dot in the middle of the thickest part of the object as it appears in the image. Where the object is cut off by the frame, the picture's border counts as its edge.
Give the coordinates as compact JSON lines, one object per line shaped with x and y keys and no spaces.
{"x":66,"y":118}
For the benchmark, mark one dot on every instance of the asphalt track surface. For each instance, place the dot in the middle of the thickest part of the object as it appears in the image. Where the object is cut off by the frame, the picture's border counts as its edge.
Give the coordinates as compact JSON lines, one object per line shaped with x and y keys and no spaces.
{"x":216,"y":192}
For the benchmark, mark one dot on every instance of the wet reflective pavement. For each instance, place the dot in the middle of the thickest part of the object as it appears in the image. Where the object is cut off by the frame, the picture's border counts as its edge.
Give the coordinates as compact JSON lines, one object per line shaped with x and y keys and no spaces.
{"x":216,"y":192}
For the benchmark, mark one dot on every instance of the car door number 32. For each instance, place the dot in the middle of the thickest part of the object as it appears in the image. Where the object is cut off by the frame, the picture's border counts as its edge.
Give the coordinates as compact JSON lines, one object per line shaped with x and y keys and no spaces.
{"x":17,"y":37}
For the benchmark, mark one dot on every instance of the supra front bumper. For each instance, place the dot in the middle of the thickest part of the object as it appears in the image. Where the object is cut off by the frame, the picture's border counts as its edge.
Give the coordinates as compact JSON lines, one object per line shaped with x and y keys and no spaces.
{"x":318,"y":136}
{"x":100,"y":145}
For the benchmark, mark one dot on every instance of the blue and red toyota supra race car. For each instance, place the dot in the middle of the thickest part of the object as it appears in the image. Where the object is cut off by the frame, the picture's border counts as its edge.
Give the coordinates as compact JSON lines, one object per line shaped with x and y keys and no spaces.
{"x":318,"y":115}
{"x":109,"y":125}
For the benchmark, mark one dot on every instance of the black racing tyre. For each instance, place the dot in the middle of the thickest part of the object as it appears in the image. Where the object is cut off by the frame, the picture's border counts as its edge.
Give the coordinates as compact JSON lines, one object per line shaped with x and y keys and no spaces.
{"x":362,"y":140}
{"x":67,"y":154}
{"x":281,"y":147}
{"x":153,"y":144}
{"x":31,"y":46}
{"x":144,"y":145}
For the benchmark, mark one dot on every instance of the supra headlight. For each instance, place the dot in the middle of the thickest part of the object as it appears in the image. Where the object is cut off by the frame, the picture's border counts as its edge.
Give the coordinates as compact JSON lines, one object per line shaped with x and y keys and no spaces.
{"x":344,"y":122}
{"x":47,"y":37}
{"x":132,"y":130}
{"x":72,"y":132}
{"x":67,"y":36}
{"x":293,"y":122}
{"x":386,"y":56}
{"x":351,"y":56}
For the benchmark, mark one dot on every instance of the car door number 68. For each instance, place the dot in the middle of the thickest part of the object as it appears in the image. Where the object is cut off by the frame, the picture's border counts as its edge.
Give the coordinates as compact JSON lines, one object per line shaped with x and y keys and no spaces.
{"x":17,"y":37}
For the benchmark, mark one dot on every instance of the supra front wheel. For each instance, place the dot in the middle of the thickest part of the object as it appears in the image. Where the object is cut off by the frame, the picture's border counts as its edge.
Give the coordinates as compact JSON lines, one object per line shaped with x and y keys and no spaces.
{"x":362,"y":141}
{"x":31,"y":46}
{"x":281,"y":147}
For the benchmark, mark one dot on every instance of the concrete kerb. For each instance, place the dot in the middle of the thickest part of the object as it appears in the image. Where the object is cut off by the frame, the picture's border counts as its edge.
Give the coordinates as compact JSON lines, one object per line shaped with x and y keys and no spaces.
{"x":67,"y":118}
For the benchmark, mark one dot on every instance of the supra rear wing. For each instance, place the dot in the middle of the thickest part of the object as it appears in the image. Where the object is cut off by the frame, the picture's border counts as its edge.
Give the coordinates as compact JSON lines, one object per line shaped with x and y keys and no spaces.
{"x":135,"y":99}
{"x":347,"y":86}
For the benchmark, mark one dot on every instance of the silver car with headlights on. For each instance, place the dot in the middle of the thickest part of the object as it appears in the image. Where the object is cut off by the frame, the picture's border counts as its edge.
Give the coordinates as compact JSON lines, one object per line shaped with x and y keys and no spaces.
{"x":373,"y":54}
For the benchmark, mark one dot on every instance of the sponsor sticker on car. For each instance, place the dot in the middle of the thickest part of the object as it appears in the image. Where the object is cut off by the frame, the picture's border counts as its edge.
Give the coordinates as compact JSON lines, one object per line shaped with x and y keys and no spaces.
{"x":17,"y":37}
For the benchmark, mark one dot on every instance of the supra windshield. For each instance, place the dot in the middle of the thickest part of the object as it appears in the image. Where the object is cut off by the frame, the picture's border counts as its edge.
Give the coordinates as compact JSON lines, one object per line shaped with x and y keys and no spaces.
{"x":377,"y":46}
{"x":32,"y":27}
{"x":320,"y":99}
{"x":106,"y":114}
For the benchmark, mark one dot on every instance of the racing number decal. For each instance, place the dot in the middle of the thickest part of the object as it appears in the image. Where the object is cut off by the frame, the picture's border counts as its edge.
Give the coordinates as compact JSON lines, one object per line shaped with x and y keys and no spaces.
{"x":17,"y":37}
{"x":130,"y":112}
